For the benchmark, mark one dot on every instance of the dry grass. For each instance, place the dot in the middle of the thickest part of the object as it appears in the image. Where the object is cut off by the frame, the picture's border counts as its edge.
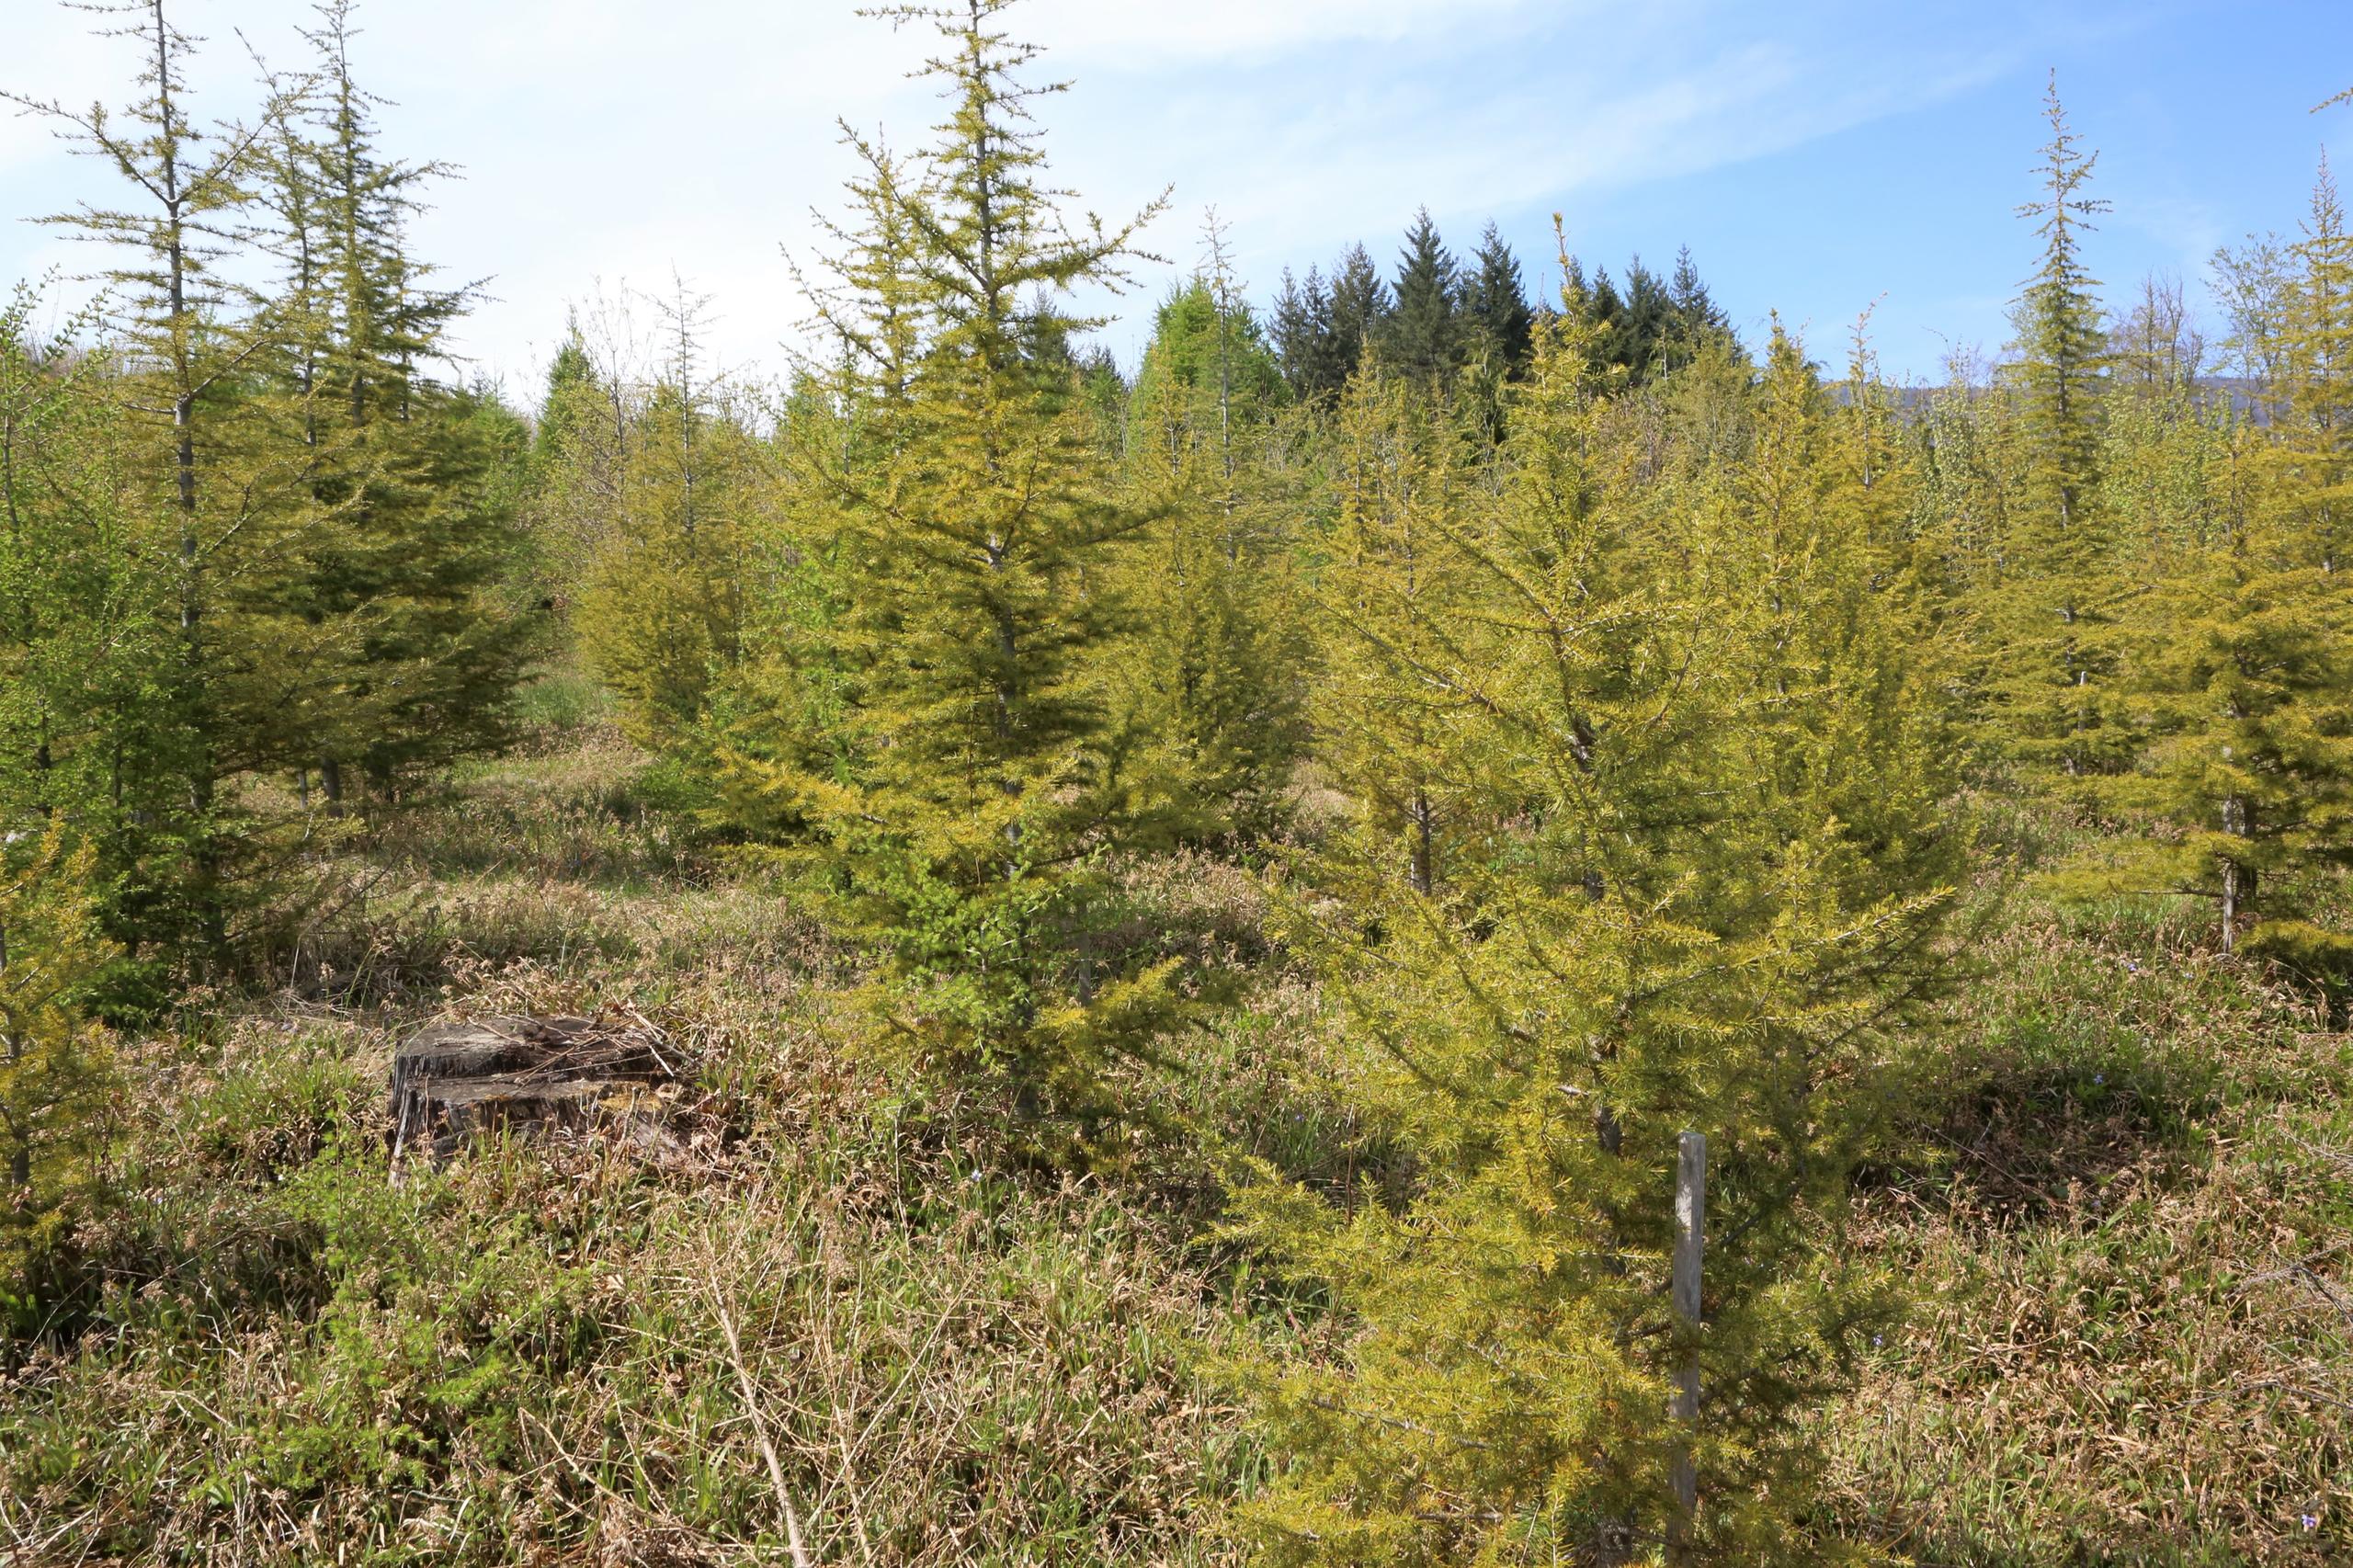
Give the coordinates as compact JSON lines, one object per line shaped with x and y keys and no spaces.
{"x":262,"y":1350}
{"x":2132,"y":1269}
{"x":2126,"y":1215}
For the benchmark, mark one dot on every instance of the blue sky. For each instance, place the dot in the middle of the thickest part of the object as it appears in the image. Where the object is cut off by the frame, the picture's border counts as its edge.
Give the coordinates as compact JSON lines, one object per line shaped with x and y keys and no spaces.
{"x":1816,"y":157}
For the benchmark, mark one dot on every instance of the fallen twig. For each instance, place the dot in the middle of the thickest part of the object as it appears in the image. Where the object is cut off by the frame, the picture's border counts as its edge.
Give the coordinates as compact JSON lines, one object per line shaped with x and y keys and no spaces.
{"x":761,"y":1431}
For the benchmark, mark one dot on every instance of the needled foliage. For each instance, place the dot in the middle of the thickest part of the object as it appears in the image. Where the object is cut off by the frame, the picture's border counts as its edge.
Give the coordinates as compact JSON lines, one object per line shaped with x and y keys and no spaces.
{"x":2242,"y":667}
{"x":671,"y":481}
{"x":1190,"y":886}
{"x":87,"y":653}
{"x":55,"y":1061}
{"x":1213,"y":675}
{"x":210,"y":482}
{"x":2311,"y":463}
{"x":279,"y":547}
{"x":2054,"y":600}
{"x":403,"y":577}
{"x":1386,"y":609}
{"x":1671,"y":896}
{"x":969,"y":777}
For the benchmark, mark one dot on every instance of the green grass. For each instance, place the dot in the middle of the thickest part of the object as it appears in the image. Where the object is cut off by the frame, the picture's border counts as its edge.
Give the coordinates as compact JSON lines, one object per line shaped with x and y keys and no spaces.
{"x":2122,"y":1199}
{"x":561,"y":702}
{"x":261,"y":1348}
{"x":2127,"y":1241}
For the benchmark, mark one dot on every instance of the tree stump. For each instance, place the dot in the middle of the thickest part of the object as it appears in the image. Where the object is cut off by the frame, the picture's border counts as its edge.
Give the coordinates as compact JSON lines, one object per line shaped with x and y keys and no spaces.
{"x":454,"y":1084}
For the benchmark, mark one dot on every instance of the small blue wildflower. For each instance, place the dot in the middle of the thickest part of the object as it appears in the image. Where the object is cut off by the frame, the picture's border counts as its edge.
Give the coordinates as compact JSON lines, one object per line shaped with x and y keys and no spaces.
{"x":2311,"y":1521}
{"x":2098,"y":1078}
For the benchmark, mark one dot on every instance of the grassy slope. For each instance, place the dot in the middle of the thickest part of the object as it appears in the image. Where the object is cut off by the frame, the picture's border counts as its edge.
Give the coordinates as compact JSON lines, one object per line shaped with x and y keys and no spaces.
{"x":2126,"y":1237}
{"x":2125,"y":1221}
{"x":522,"y":1360}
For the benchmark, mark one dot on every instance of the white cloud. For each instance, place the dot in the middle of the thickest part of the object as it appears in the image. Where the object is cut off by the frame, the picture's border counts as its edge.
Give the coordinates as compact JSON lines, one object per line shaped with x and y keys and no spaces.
{"x":620,"y":138}
{"x":1122,"y":31}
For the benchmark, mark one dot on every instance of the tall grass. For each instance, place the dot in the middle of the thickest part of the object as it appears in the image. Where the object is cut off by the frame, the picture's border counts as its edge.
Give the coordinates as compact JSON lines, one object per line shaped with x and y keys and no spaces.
{"x":2123,"y":1207}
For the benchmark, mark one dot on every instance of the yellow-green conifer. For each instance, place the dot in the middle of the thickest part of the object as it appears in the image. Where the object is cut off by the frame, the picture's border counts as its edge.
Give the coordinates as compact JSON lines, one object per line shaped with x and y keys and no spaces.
{"x":967,"y":782}
{"x":1663,"y":923}
{"x":54,"y":1060}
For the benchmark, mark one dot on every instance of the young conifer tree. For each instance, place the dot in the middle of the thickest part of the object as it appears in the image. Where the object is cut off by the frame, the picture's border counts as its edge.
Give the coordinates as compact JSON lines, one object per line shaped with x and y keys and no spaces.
{"x":1847,"y":651}
{"x":575,"y":485}
{"x":218,"y":481}
{"x":1495,"y":307}
{"x":2163,"y":441}
{"x":1301,"y":332}
{"x":1424,"y":338}
{"x":403,"y":579}
{"x":1875,"y":457}
{"x":1387,"y":607}
{"x":1494,"y":326}
{"x":80,"y":638}
{"x":1663,"y":924}
{"x":55,"y":1061}
{"x":2064,"y":347}
{"x":785,"y":712}
{"x":1210,"y":679}
{"x":89,"y":641}
{"x":2243,"y":659}
{"x":660,"y":611}
{"x":2310,"y":468}
{"x":966,"y":780}
{"x":1359,"y":308}
{"x":2245,"y":667}
{"x":2054,"y":611}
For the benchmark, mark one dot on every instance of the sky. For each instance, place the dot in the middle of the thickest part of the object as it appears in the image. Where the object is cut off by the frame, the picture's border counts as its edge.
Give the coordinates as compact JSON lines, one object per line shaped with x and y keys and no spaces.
{"x":1819,"y":157}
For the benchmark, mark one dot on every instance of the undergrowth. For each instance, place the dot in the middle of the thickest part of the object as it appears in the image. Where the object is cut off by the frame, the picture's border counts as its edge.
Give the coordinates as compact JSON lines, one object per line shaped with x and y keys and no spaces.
{"x":2126,"y":1233}
{"x":2123,"y":1211}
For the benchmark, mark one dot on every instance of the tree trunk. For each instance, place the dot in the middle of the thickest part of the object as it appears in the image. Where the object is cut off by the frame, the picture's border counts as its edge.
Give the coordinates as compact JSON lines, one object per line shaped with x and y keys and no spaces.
{"x":2238,"y":882}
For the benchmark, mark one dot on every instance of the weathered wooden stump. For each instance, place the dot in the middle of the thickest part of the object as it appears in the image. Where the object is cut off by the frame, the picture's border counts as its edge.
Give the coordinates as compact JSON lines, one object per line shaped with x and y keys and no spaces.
{"x":454,"y":1083}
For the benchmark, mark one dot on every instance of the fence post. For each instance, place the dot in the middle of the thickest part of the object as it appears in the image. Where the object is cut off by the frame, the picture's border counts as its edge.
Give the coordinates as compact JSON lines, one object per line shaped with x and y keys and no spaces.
{"x":1690,"y":1240}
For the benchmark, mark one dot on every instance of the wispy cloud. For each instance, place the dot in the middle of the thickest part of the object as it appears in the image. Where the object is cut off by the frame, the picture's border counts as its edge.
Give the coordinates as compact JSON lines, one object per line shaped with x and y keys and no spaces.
{"x":622,"y":136}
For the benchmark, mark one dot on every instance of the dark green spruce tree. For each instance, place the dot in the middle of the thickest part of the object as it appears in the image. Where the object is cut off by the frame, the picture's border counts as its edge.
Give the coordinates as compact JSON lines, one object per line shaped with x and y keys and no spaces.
{"x":1496,"y":308}
{"x":420,"y":477}
{"x":1423,"y":338}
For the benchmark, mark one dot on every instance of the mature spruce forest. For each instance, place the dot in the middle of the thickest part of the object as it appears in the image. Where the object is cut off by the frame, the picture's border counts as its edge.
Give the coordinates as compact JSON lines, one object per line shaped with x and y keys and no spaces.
{"x":1187,"y":904}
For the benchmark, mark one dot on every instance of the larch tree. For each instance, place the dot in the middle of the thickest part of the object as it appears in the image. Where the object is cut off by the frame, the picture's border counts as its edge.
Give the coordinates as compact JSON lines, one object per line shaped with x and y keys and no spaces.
{"x":1386,"y":602}
{"x":2243,"y":659}
{"x":2312,"y":462}
{"x":2063,"y":345}
{"x":54,"y":1059}
{"x":970,"y":782}
{"x":89,"y":641}
{"x":660,"y":610}
{"x":1663,"y":924}
{"x":2244,"y":670}
{"x":226,"y":493}
{"x":1211,"y":676}
{"x":2054,"y":610}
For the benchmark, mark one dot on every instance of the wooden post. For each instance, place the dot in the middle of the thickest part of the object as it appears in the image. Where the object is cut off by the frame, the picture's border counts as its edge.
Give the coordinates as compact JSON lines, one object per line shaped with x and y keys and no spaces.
{"x":1691,"y":1239}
